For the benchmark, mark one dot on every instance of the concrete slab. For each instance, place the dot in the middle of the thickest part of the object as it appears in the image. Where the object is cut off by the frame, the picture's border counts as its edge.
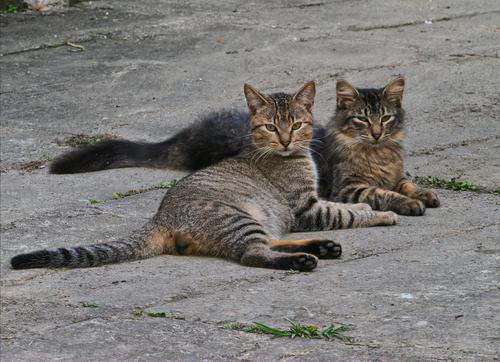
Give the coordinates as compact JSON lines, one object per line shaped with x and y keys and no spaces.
{"x":425,"y":289}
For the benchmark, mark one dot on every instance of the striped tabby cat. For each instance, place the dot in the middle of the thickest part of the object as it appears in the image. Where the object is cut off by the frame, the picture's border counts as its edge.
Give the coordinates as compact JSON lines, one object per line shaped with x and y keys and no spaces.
{"x":240,"y":208}
{"x":359,"y":154}
{"x":363,"y":156}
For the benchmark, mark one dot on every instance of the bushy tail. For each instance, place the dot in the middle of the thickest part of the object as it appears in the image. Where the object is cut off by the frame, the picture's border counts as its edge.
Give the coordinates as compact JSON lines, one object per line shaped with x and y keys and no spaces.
{"x":107,"y":155}
{"x":145,"y":243}
{"x":212,"y":138}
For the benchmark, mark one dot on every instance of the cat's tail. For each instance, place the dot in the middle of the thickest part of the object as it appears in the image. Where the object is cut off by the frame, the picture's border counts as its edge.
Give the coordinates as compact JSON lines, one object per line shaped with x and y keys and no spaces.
{"x":212,"y":138}
{"x":118,"y":154}
{"x":145,"y":243}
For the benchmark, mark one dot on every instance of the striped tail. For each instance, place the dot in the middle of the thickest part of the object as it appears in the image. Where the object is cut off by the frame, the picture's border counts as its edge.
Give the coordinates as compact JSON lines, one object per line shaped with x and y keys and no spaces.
{"x":143,"y":244}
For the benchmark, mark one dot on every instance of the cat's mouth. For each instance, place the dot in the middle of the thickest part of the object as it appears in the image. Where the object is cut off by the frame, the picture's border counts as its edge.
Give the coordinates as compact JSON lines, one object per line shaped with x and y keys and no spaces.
{"x":285,"y":153}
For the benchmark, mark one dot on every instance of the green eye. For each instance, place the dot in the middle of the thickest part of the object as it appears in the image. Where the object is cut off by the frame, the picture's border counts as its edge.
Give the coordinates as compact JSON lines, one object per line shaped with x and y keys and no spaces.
{"x":386,"y":118}
{"x":296,"y":126}
{"x":271,"y":127}
{"x":361,"y":118}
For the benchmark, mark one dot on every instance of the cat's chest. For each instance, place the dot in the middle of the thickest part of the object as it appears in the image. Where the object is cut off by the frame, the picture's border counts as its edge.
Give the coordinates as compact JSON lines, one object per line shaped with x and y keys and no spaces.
{"x":291,"y":174}
{"x":383,"y":167}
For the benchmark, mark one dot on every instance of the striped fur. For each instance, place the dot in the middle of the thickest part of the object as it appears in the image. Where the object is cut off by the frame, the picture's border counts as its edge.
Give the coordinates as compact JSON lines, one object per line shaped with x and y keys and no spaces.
{"x":359,"y":159}
{"x":363,"y":159}
{"x":241,"y":207}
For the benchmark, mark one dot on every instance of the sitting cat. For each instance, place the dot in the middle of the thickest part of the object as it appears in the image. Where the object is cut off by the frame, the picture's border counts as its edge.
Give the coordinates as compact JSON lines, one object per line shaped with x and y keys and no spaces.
{"x":362,"y":159}
{"x":241,"y":207}
{"x":359,"y":154}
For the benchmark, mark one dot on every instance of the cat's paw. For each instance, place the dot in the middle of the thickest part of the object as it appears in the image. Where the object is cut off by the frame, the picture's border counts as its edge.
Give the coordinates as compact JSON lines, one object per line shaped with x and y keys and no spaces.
{"x":324,"y":248}
{"x":409,"y":207}
{"x":387,"y":218}
{"x":304,"y":262}
{"x":428,"y":197}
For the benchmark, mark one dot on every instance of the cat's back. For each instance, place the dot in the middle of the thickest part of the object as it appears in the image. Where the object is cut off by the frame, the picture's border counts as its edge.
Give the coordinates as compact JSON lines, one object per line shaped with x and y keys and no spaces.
{"x":233,"y":181}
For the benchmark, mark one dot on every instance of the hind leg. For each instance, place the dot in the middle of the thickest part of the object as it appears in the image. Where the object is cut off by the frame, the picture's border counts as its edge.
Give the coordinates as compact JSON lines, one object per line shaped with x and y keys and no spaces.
{"x":322,"y":248}
{"x":262,"y":256}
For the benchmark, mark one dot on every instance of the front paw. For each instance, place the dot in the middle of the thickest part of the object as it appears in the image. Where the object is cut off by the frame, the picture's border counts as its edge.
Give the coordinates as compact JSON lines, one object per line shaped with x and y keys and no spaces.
{"x":428,"y":197}
{"x":408,"y":207}
{"x":387,"y":217}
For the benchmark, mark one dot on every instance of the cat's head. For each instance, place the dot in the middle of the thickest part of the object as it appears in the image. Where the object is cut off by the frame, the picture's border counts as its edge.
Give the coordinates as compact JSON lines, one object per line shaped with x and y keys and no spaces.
{"x":370,"y":117}
{"x":281,"y":123}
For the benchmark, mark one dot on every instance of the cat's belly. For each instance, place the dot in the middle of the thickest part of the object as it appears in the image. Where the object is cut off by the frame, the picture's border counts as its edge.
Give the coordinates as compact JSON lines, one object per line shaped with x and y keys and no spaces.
{"x":275,"y":218}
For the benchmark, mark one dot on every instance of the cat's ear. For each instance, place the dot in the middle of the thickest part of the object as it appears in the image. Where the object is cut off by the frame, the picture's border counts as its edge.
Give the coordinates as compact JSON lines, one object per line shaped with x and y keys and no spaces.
{"x":346,"y":94}
{"x":393,"y":91}
{"x":305,"y":95}
{"x":255,"y":99}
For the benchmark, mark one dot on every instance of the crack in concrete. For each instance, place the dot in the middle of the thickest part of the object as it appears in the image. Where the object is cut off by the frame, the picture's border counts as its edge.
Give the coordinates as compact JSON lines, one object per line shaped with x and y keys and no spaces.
{"x":430,"y":151}
{"x":86,"y":39}
{"x":372,"y":253}
{"x":419,"y":22}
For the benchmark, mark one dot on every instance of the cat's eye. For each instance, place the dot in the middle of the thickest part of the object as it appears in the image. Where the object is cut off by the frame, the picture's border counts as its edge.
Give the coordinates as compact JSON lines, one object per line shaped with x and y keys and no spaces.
{"x":386,"y":118}
{"x":271,"y":127}
{"x":360,"y":121}
{"x":296,"y":126}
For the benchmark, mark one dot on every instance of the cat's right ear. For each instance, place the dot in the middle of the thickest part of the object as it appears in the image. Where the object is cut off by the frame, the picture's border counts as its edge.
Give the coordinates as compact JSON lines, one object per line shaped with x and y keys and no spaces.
{"x":255,"y":99}
{"x":346,"y":94}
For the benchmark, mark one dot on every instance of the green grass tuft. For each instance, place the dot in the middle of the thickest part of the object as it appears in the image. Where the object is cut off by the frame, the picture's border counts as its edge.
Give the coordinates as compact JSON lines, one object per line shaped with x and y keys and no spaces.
{"x":291,"y":272}
{"x":153,"y":314}
{"x":10,"y":9}
{"x":295,"y":330}
{"x":454,"y":184}
{"x":168,"y":184}
{"x":118,"y":195}
{"x":90,"y":305}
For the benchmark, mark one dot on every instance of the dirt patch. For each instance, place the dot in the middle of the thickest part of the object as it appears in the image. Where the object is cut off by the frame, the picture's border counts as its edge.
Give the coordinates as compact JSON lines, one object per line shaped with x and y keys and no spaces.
{"x":32,"y":165}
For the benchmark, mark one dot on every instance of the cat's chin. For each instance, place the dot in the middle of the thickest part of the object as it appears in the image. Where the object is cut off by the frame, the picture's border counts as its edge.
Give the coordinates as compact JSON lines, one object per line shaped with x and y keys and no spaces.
{"x":285,"y":153}
{"x":289,"y":153}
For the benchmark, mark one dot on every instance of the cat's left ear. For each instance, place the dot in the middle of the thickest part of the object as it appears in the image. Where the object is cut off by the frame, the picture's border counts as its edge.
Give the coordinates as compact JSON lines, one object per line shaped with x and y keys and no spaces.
{"x":393,"y":91}
{"x":305,"y":95}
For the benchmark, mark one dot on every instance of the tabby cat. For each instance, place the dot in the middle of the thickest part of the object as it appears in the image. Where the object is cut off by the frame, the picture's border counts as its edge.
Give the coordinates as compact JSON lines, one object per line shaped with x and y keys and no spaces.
{"x":359,"y":154}
{"x":241,"y":207}
{"x":363,"y":156}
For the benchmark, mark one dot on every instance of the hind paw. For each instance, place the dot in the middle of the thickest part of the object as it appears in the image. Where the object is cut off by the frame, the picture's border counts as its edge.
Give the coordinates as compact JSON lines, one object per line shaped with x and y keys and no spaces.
{"x":324,"y":249}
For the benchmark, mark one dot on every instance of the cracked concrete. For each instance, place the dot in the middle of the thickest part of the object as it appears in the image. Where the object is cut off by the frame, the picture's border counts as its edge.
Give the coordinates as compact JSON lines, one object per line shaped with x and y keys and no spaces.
{"x":426,"y":289}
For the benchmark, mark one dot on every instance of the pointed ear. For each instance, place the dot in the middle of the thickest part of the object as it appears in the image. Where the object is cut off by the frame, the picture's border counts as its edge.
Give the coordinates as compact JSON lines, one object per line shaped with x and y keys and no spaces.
{"x":346,"y":94}
{"x":393,"y":91}
{"x":305,"y":95}
{"x":255,"y":99}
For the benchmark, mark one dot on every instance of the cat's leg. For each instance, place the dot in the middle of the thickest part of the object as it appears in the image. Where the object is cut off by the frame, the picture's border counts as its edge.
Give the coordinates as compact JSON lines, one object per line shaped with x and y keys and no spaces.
{"x":381,"y":199}
{"x":324,"y":215}
{"x":358,"y":206}
{"x":322,"y":248}
{"x":262,"y":256}
{"x":408,"y":188}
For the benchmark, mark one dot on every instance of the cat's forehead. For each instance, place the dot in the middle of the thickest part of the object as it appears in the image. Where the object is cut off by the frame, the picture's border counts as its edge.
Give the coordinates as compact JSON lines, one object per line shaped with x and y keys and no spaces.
{"x":372,"y":102}
{"x":281,"y":103}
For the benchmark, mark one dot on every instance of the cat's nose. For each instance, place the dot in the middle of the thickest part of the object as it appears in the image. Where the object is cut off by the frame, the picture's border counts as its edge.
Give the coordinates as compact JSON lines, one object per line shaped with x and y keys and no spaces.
{"x":376,"y":136}
{"x":285,"y":143}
